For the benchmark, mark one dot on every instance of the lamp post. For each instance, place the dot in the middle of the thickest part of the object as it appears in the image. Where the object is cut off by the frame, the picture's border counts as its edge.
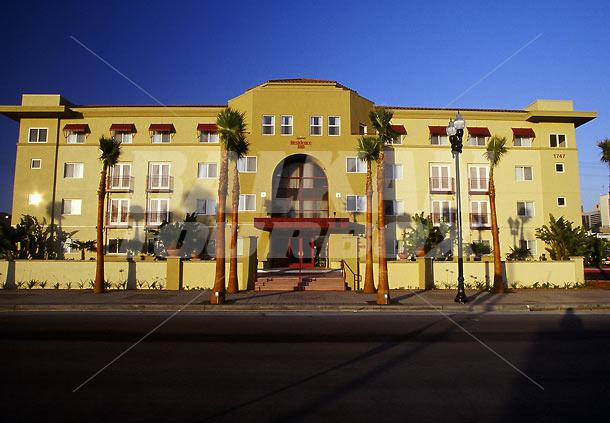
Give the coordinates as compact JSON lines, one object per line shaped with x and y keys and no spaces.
{"x":455,"y":130}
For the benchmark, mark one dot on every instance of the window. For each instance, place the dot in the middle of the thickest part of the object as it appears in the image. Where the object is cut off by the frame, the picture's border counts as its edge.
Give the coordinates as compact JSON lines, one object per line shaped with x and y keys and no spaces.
{"x":394,"y":207}
{"x":355,"y":165}
{"x":523,"y":173}
{"x":479,"y":214}
{"x":208,"y":137}
{"x":118,"y":211}
{"x":530,"y":244}
{"x":396,"y":140}
{"x":158,"y":211}
{"x":355,"y":203}
{"x":561,"y":201}
{"x":207,"y":170}
{"x":247,"y":164}
{"x":35,"y":163}
{"x":441,"y":212}
{"x":478,"y":180}
{"x":34,"y":199}
{"x":71,"y":207}
{"x":393,"y":171}
{"x":159,"y":176}
{"x":247,"y":202}
{"x":38,"y":135}
{"x":557,"y":141}
{"x":120,"y":176}
{"x":206,"y":206}
{"x":76,"y":137}
{"x":362,"y":130}
{"x":161,"y":137}
{"x":439,"y":139}
{"x":525,"y":208}
{"x":268,"y":125}
{"x":315,"y":125}
{"x":123,"y":137}
{"x":475,"y":140}
{"x":73,"y":170}
{"x":440,"y":180}
{"x":117,"y":246}
{"x":286,"y":125}
{"x":334,"y":125}
{"x":519,"y":141}
{"x":559,"y":167}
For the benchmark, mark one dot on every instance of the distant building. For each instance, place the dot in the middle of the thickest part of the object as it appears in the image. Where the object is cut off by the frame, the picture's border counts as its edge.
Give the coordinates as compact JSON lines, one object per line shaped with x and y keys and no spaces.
{"x":592,"y":220}
{"x":604,"y":216}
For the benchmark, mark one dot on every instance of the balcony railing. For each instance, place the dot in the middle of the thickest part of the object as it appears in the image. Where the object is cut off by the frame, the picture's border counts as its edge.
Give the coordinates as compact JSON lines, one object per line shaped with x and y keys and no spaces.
{"x":119,"y":184}
{"x":154,"y":219}
{"x":480,"y":220}
{"x":449,"y":217}
{"x":442,"y":185}
{"x":478,"y":185}
{"x":160,"y":183}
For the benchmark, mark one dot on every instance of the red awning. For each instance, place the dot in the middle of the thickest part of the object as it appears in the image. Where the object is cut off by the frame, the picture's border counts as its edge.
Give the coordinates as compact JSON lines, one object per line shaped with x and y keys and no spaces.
{"x":479,"y":132}
{"x":337,"y":223}
{"x":438,"y":130}
{"x":524,"y":132}
{"x":162,"y":127}
{"x":400,"y":129}
{"x":79,"y":128}
{"x":123,"y":127}
{"x":207,"y":127}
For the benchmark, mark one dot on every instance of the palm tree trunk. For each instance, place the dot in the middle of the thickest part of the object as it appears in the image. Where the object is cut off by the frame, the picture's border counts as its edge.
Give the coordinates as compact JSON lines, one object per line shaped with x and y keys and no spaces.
{"x":218,"y":291}
{"x":369,"y":283}
{"x":98,"y":285}
{"x":383,"y":290}
{"x":498,"y":286}
{"x":233,"y":287}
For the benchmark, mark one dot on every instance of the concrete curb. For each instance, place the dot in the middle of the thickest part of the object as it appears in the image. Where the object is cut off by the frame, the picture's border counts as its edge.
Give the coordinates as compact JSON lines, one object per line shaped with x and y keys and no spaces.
{"x":298,"y":308}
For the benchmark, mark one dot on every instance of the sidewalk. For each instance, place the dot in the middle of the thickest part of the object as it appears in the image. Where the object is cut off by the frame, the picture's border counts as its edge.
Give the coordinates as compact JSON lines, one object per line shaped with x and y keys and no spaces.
{"x":250,"y":301}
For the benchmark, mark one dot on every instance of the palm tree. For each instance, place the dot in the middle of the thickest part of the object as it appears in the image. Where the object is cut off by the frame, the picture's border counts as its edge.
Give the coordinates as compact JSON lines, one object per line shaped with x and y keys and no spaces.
{"x":380,"y":118}
{"x":604,"y":146}
{"x":231,"y":128}
{"x":111,"y":151}
{"x":369,"y":149}
{"x":496,"y":148}
{"x":237,"y":150}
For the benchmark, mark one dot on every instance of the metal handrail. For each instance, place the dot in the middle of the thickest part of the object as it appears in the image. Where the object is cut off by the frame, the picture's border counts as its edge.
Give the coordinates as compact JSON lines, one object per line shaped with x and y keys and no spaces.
{"x":355,"y":277}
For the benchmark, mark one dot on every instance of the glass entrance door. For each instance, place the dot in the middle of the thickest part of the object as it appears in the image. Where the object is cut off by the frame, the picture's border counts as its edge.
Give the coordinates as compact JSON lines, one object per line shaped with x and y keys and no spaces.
{"x":301,"y":251}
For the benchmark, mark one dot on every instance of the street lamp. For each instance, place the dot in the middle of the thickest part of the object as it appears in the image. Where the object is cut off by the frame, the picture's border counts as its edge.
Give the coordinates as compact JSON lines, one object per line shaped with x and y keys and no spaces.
{"x":455,"y":131}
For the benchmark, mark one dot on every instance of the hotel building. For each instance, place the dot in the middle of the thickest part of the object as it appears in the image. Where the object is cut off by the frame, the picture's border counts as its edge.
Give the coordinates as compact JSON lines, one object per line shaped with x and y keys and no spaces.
{"x":302,"y":185}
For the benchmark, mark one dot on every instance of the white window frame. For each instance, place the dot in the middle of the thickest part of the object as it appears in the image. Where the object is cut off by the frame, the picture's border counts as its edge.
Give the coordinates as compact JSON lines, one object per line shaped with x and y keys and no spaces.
{"x":117,"y":172}
{"x":320,"y":126}
{"x":525,"y":203}
{"x":528,"y":243}
{"x":35,"y":167}
{"x":124,"y":137}
{"x":398,"y":207}
{"x":476,"y":138}
{"x":522,"y":169}
{"x":362,"y":128}
{"x":157,"y":210}
{"x":396,"y":140}
{"x":360,"y":165}
{"x":557,"y":135}
{"x":38,"y":129}
{"x":476,"y":209}
{"x":119,"y":241}
{"x":521,"y":143}
{"x":76,"y":137}
{"x":336,"y":125}
{"x":290,"y":125}
{"x":158,"y":137}
{"x":478,"y":172}
{"x":391,"y":170}
{"x":76,"y":165}
{"x":442,"y":211}
{"x":208,"y":137}
{"x":360,"y":203}
{"x":243,"y":202}
{"x":442,"y":140}
{"x":206,"y":174}
{"x":565,"y":202}
{"x":268,"y":125}
{"x":160,"y":175}
{"x":71,"y":201}
{"x":449,"y":186}
{"x":242,"y":164}
{"x":121,"y":204}
{"x":206,"y":206}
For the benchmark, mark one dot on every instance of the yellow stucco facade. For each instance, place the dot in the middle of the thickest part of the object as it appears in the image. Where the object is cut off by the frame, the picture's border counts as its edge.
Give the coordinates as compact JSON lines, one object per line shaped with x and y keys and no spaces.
{"x":57,"y":160}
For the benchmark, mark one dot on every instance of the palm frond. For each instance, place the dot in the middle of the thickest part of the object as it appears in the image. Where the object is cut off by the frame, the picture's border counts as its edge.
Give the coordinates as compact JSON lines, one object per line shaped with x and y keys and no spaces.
{"x":231,"y":128}
{"x":369,"y":148}
{"x":604,"y":146}
{"x":496,"y":148}
{"x":110,"y":151}
{"x":380,"y":119}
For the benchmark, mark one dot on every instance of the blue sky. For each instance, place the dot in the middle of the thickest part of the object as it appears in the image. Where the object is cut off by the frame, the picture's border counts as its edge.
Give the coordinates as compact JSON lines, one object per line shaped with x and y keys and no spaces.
{"x":417,"y":53}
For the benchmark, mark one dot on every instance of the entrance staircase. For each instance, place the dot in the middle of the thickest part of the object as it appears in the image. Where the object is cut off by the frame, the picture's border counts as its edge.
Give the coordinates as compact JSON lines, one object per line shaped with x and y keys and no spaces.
{"x":303,"y":280}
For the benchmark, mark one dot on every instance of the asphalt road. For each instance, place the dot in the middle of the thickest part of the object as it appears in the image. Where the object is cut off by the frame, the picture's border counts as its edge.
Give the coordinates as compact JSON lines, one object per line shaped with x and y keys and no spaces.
{"x":284,"y":368}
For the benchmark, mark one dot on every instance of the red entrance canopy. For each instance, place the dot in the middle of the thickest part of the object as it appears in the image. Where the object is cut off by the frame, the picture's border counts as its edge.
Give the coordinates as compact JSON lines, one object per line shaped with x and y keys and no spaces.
{"x":524,"y":132}
{"x":479,"y":132}
{"x":300,"y":223}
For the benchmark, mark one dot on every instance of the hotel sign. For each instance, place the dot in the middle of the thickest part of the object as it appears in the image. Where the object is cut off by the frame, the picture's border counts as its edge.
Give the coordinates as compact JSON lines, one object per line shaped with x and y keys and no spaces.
{"x":300,"y":142}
